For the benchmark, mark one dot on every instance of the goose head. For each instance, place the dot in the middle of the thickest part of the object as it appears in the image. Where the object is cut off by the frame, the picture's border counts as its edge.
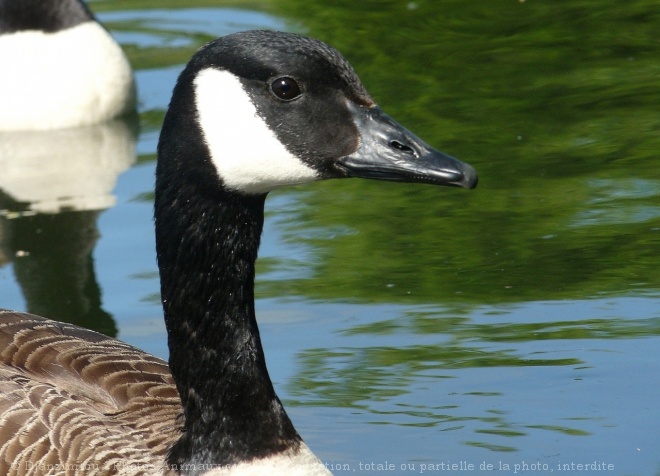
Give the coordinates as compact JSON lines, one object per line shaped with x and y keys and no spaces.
{"x":275,"y":109}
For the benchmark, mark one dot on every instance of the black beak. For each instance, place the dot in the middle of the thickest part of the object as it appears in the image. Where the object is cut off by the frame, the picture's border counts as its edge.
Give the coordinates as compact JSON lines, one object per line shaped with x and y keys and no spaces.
{"x":388,"y":151}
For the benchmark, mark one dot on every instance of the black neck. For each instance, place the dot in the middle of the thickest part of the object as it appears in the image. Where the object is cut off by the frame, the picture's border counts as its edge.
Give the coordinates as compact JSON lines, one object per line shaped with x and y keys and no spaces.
{"x":48,"y":16}
{"x":206,"y":251}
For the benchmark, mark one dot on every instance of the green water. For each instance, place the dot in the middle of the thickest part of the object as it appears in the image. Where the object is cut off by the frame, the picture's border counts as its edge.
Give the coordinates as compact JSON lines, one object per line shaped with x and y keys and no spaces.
{"x":516,"y":325}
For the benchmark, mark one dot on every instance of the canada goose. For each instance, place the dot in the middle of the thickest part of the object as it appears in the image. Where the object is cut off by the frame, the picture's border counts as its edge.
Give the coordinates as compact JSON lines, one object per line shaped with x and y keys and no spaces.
{"x":60,"y":68}
{"x":251,"y":112}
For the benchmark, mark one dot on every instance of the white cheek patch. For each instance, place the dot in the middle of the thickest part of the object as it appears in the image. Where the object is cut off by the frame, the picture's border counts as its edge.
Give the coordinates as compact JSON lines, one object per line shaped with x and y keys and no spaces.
{"x":246,"y":153}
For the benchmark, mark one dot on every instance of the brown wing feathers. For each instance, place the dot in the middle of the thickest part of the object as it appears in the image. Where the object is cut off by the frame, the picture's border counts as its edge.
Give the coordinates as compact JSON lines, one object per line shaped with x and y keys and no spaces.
{"x":73,"y":401}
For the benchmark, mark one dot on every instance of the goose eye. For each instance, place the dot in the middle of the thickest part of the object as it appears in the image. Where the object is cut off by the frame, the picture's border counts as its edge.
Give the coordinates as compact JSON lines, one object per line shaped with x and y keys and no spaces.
{"x":286,"y":88}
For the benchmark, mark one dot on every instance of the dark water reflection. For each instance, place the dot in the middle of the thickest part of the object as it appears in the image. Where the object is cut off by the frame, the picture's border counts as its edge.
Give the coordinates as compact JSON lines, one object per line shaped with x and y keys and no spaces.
{"x":557,"y":108}
{"x":516,"y":322}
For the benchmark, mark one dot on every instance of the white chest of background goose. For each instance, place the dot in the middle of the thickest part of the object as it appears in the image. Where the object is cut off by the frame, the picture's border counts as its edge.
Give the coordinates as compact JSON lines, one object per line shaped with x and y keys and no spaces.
{"x":250,"y":113}
{"x":60,"y":68}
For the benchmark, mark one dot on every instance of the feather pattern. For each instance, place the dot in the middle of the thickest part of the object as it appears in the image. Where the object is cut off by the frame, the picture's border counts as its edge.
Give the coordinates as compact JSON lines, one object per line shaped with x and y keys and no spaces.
{"x":73,"y":401}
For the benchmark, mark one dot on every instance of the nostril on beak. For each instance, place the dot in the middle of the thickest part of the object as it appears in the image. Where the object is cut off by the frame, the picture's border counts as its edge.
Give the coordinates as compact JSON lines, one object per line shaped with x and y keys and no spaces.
{"x":395,"y":144}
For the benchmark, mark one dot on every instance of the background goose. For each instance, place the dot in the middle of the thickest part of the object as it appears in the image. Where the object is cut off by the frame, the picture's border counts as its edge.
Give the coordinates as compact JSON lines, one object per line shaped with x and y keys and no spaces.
{"x":60,"y":68}
{"x":251,"y":112}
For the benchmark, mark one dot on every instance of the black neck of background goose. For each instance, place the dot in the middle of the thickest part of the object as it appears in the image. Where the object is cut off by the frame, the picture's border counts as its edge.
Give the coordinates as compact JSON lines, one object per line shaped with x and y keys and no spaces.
{"x":49,"y":16}
{"x":206,"y":252}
